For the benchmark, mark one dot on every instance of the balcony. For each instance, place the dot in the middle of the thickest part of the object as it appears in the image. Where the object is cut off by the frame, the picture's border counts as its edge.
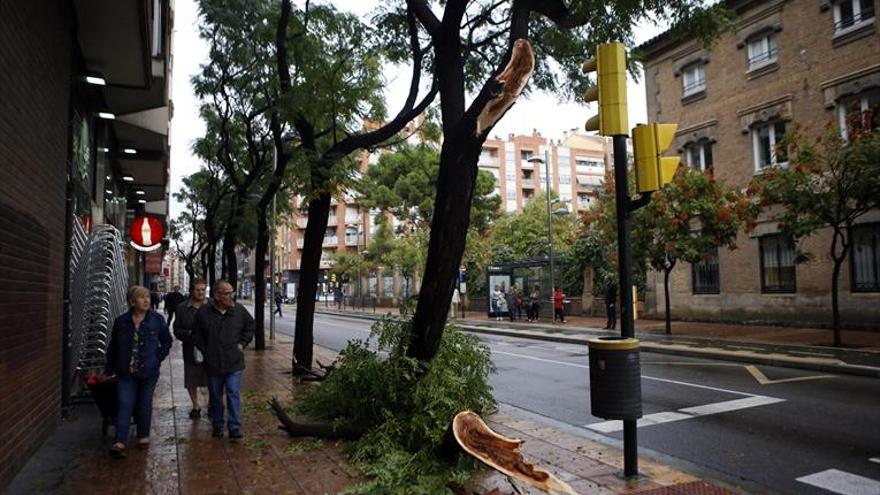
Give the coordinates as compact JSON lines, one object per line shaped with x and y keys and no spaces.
{"x":526,"y":165}
{"x":328,"y":242}
{"x":487,"y":160}
{"x":352,"y":240}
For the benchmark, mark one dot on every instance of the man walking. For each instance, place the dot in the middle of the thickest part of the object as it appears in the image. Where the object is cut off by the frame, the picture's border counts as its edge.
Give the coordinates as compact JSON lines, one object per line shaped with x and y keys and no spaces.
{"x":610,"y":293}
{"x":172,"y":299}
{"x":278,"y":300}
{"x":221,"y":331}
{"x":194,"y":374}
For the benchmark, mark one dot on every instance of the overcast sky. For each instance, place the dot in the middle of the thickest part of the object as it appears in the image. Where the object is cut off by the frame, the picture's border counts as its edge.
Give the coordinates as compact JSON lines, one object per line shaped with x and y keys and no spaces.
{"x":540,"y":111}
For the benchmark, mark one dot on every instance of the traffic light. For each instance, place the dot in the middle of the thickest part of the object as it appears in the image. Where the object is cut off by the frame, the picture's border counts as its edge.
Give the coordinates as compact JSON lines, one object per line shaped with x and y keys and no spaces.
{"x":610,"y":90}
{"x":649,"y":142}
{"x":333,"y":277}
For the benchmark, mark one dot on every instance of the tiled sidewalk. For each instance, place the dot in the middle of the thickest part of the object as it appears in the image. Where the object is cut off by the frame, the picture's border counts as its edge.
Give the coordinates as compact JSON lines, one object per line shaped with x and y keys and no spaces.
{"x":185,"y":459}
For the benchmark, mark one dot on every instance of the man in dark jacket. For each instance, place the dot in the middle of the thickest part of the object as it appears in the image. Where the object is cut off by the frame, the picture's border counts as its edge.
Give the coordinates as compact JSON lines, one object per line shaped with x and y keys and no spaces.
{"x":172,"y":299}
{"x":221,"y":331}
{"x":610,"y":293}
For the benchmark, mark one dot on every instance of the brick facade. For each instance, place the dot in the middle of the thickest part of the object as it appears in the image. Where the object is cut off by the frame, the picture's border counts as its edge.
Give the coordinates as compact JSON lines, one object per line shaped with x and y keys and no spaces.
{"x":815,"y":68}
{"x":35,"y":56}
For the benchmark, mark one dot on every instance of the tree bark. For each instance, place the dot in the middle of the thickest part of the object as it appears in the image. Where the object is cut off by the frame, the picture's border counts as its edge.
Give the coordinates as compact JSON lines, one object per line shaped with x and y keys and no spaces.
{"x":666,"y":273}
{"x":455,"y":189}
{"x":230,"y":260}
{"x":835,"y":282}
{"x":260,"y":282}
{"x":310,"y":264}
{"x":300,"y":427}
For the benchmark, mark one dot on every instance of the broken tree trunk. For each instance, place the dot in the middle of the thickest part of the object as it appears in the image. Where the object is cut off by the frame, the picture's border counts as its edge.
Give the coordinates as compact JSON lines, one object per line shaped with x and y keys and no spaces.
{"x":502,"y":453}
{"x":301,"y":427}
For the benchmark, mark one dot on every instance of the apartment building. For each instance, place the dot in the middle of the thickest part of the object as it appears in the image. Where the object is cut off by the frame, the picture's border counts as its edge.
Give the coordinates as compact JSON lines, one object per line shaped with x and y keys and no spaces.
{"x":787,"y":62}
{"x":577,"y":167}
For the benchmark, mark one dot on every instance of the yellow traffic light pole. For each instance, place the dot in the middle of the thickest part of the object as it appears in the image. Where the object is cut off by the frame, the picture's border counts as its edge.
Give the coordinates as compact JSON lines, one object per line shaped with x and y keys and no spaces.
{"x":610,"y":92}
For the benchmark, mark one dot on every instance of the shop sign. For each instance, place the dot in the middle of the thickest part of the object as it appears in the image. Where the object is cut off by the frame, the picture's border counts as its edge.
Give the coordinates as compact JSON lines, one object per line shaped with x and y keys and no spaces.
{"x":146,"y":233}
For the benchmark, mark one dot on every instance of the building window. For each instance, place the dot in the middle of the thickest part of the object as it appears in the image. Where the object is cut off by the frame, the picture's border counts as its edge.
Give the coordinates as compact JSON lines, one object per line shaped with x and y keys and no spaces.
{"x":565,"y":179}
{"x":693,"y":78}
{"x":860,"y":111}
{"x":510,"y":175}
{"x":699,"y":155}
{"x":865,"y":258}
{"x":777,"y":264}
{"x":762,"y":50}
{"x":511,"y":195}
{"x":705,"y":274}
{"x":765,"y":142}
{"x":850,"y":14}
{"x":525,"y":154}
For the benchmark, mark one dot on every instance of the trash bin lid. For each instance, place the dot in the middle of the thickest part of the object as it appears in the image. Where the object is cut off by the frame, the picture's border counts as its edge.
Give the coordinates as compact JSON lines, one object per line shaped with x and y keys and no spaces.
{"x":613,"y":344}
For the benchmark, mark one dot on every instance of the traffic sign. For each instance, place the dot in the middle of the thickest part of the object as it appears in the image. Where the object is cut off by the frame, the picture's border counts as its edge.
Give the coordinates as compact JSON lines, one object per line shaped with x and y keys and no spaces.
{"x":146,"y":233}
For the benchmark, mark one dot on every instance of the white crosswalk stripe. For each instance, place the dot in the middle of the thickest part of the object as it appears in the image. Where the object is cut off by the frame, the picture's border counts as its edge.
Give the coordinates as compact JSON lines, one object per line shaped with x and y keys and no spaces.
{"x":842,"y":482}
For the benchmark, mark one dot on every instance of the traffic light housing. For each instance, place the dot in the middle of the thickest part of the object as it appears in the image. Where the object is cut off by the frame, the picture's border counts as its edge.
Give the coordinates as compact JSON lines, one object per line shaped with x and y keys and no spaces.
{"x":610,"y":90}
{"x":649,"y":142}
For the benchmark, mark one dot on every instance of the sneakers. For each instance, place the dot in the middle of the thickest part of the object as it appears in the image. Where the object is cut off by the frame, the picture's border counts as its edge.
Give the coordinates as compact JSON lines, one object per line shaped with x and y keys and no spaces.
{"x":217,"y":432}
{"x":235,"y":434}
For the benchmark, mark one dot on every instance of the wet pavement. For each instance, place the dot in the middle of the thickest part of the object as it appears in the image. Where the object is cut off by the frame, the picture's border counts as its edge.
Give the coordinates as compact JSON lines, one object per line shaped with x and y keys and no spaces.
{"x":183,"y":458}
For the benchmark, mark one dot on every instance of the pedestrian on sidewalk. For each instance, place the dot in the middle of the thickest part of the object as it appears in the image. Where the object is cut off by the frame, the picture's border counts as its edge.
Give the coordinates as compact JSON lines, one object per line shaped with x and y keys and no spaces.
{"x":139,"y":342}
{"x":610,"y":293}
{"x":194,"y":374}
{"x":558,"y":305}
{"x":518,"y":303}
{"x":535,"y":303}
{"x":221,"y":331}
{"x":511,"y":302}
{"x":172,"y":299}
{"x":278,"y":300}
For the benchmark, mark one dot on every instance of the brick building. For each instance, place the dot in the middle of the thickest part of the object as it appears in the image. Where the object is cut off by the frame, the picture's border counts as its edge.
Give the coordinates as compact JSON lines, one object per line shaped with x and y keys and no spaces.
{"x":84,"y":117}
{"x":786,"y":62}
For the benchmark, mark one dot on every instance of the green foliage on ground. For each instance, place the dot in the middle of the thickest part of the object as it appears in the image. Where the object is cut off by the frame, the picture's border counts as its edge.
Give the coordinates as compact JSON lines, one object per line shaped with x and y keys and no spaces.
{"x":404,"y":406}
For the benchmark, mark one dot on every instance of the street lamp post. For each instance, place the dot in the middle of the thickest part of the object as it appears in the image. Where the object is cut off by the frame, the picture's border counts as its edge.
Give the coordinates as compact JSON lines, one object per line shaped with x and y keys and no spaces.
{"x":272,"y":256}
{"x":561,"y":211}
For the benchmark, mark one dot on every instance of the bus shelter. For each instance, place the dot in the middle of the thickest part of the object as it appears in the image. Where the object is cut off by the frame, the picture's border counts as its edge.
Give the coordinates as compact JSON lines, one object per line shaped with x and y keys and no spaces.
{"x":526,"y":275}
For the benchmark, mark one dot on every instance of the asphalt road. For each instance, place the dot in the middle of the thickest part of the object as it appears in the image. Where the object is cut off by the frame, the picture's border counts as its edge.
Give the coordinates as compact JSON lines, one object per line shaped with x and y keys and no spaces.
{"x":775,"y":429}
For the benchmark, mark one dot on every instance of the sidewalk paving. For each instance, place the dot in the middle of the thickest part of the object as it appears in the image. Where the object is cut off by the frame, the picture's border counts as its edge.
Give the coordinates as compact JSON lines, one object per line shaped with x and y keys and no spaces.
{"x":806,"y":348}
{"x":184,"y":459}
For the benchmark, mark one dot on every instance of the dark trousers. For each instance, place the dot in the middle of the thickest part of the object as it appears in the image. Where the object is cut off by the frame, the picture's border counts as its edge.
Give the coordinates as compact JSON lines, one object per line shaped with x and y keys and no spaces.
{"x":134,"y":397}
{"x":278,"y":309}
{"x":612,"y":316}
{"x":534,"y":311}
{"x":558,"y":314}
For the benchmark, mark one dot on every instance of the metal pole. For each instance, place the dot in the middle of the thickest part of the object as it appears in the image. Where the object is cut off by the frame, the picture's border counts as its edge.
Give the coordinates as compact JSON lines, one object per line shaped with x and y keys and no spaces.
{"x":624,"y":254}
{"x":549,"y":226}
{"x":272,"y":259}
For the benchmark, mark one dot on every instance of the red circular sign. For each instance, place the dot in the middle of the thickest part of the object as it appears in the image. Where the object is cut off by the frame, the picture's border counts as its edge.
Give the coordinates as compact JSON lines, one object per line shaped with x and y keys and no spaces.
{"x":146,"y":231}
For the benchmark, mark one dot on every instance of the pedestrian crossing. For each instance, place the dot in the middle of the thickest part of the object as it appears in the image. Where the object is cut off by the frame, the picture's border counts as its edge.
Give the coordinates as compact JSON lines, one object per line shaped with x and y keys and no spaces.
{"x":842,"y":482}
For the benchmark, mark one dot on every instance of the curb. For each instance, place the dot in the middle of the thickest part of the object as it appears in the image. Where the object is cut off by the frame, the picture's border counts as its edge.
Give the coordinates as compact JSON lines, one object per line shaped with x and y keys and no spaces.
{"x":780,"y":360}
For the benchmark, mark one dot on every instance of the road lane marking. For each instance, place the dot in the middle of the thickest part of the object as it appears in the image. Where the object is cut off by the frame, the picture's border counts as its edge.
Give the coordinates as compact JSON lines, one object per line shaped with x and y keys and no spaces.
{"x":683,"y":363}
{"x":644,"y":377}
{"x":687,"y":413}
{"x":837,"y":481}
{"x":808,"y":353}
{"x":875,"y":459}
{"x":763,"y":380}
{"x":533,"y":358}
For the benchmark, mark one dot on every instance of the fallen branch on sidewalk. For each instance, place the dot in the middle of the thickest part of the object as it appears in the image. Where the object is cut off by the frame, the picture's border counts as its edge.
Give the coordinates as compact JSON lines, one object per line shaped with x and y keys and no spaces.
{"x":308,"y":374}
{"x":304,"y":428}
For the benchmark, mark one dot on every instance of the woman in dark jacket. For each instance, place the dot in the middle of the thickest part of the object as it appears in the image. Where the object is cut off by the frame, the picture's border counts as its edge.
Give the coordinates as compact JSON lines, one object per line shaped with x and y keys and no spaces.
{"x":139,"y":342}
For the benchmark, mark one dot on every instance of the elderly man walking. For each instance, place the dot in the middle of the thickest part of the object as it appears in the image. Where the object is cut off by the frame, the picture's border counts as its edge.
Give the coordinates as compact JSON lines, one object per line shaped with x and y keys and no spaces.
{"x":221,"y":330}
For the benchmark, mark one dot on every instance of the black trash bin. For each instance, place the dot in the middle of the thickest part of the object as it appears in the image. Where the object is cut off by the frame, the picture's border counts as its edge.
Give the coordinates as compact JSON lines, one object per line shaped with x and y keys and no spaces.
{"x":615,"y":378}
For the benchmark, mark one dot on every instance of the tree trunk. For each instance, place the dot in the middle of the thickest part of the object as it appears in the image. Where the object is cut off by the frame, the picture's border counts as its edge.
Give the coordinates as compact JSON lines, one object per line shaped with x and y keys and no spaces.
{"x":666,"y":273}
{"x":455,"y":190}
{"x":260,"y":282}
{"x":303,"y":338}
{"x":212,"y":263}
{"x":835,"y":282}
{"x":229,"y":257}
